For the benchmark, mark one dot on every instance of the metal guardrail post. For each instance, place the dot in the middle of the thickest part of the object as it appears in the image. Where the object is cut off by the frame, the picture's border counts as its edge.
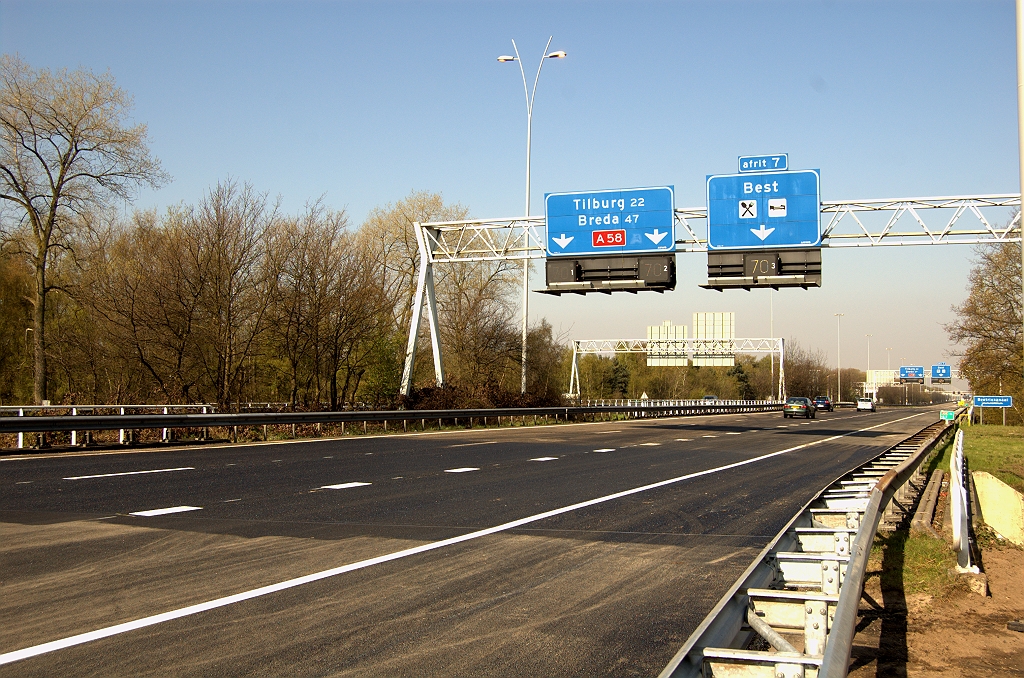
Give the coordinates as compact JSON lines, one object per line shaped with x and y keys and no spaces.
{"x":74,"y":433}
{"x":120,"y":433}
{"x":21,"y":434}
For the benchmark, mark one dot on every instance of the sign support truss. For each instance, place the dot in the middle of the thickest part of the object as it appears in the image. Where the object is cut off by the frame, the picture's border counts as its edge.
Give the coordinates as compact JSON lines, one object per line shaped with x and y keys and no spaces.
{"x":524,"y":238}
{"x":682,"y":348}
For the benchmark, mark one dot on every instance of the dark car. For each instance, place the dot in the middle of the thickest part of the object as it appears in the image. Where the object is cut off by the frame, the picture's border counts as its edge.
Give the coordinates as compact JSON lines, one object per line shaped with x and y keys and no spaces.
{"x":823,"y":403}
{"x":796,"y":406}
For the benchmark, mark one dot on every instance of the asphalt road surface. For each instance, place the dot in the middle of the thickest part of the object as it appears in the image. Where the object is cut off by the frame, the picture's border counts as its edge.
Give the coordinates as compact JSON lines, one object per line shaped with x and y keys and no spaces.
{"x":559,"y":550}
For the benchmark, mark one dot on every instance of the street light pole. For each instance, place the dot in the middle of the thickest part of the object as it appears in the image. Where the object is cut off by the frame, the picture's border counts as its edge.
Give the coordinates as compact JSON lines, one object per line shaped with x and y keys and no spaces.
{"x":839,"y":366}
{"x":530,"y":96}
{"x":888,"y":368}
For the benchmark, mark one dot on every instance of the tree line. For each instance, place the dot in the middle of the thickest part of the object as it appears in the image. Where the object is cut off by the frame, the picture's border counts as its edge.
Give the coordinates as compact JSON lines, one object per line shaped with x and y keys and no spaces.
{"x":230,"y":300}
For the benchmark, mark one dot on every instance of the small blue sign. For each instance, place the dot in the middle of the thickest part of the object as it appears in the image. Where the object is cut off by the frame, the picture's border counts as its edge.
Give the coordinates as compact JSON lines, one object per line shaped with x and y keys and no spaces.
{"x":764,"y":163}
{"x":941,"y":371}
{"x":616,"y":221}
{"x":993,"y":401}
{"x":764,"y":210}
{"x":911,"y":372}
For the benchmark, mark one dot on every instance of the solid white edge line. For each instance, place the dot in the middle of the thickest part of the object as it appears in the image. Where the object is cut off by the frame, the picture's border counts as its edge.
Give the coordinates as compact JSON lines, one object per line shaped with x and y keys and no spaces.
{"x":132,"y":473}
{"x":71,"y":641}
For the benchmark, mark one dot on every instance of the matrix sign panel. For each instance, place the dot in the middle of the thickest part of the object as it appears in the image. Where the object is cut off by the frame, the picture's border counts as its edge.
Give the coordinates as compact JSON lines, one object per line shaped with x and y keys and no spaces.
{"x":942,"y":374}
{"x":764,"y":210}
{"x":993,"y":401}
{"x":620,"y":221}
{"x":911,"y":374}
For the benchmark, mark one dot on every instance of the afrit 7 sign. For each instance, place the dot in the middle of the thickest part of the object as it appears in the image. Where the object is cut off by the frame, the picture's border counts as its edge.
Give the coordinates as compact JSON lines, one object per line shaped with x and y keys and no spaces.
{"x":617,"y":221}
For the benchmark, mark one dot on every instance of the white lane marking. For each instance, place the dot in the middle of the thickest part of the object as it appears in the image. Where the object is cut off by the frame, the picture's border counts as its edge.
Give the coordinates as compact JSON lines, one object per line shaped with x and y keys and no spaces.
{"x":342,"y":486}
{"x":684,"y":440}
{"x":489,"y":442}
{"x":231,"y":464}
{"x":464,"y":469}
{"x":709,"y":436}
{"x":330,"y":457}
{"x":81,"y":638}
{"x":544,"y":459}
{"x":733,"y":433}
{"x":606,"y":449}
{"x":23,"y":482}
{"x":132,"y":473}
{"x":783,"y":426}
{"x":601,"y":433}
{"x":165,"y":511}
{"x":228,"y":501}
{"x":805,"y":423}
{"x":649,"y":444}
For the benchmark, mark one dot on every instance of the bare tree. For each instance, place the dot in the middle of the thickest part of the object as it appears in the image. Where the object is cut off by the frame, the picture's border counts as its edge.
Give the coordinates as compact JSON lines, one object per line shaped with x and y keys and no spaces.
{"x":66,"y":146}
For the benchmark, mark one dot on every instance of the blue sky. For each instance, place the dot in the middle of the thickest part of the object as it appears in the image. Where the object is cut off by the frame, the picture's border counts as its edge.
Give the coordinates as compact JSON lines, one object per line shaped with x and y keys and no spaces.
{"x":365,"y":102}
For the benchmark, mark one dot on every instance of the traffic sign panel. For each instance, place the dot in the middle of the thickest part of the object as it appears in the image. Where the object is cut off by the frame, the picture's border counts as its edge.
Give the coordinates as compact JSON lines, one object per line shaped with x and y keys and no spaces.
{"x":610,"y":222}
{"x":764,"y":210}
{"x":993,"y":401}
{"x":911,"y":372}
{"x":762,"y":163}
{"x":941,"y":371}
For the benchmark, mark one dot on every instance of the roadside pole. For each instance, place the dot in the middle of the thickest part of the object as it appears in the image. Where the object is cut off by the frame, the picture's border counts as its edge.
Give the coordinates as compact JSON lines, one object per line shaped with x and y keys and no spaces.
{"x":1020,"y":141}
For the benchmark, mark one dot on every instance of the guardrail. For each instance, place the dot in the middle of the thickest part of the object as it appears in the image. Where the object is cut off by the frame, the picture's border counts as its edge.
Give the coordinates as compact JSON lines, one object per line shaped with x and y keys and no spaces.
{"x":808,"y":579}
{"x":128,"y":421}
{"x":959,"y":506}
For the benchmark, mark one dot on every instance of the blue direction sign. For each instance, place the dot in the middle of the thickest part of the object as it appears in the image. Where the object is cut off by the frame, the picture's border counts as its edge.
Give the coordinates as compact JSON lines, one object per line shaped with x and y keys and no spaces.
{"x":941,"y":371}
{"x":762,"y":163}
{"x":764,"y":210}
{"x":617,"y":221}
{"x":912,"y":372}
{"x":993,"y":401}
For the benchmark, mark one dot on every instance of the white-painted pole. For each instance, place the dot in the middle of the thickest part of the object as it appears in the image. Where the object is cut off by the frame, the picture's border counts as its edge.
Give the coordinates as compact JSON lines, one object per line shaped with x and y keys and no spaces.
{"x":1020,"y":132}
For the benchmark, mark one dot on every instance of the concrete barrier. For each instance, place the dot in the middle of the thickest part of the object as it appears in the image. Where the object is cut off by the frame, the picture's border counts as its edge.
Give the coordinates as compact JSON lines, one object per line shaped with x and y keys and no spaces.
{"x":1002,"y":507}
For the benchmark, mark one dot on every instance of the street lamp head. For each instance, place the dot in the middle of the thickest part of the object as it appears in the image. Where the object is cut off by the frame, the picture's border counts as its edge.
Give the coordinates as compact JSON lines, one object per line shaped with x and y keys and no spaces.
{"x":557,"y":55}
{"x":504,"y":57}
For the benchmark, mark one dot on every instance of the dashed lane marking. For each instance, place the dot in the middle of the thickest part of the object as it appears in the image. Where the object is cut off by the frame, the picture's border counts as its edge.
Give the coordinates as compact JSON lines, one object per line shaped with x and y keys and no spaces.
{"x":464,"y":469}
{"x":709,"y":436}
{"x":684,"y":440}
{"x":649,"y":444}
{"x":132,"y":473}
{"x":165,"y":511}
{"x":117,"y":629}
{"x":544,"y":459}
{"x":605,"y":449}
{"x":733,"y":433}
{"x":342,"y":486}
{"x":489,"y":442}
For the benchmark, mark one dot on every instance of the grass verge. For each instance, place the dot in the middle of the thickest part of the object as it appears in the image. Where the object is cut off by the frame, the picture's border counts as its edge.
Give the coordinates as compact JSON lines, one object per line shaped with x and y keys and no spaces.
{"x":913,"y":563}
{"x":998,"y":450}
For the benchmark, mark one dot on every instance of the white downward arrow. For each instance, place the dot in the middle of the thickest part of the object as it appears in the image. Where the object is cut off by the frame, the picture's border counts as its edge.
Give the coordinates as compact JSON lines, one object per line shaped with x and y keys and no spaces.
{"x":763,"y":233}
{"x":656,"y":237}
{"x":563,"y":241}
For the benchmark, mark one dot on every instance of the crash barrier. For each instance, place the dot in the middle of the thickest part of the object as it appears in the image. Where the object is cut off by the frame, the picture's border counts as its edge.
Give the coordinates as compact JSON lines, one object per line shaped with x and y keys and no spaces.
{"x":959,"y":505}
{"x":808,"y":580}
{"x":172,"y":420}
{"x":81,"y":410}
